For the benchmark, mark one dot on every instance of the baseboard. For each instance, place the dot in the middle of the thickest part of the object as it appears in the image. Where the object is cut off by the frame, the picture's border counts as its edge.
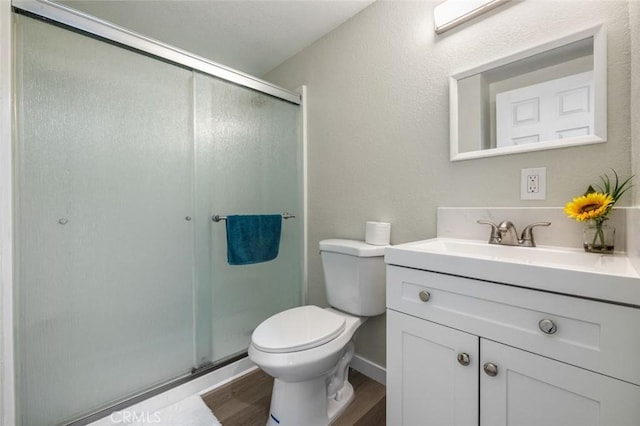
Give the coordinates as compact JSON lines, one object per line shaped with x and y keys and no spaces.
{"x":370,"y":369}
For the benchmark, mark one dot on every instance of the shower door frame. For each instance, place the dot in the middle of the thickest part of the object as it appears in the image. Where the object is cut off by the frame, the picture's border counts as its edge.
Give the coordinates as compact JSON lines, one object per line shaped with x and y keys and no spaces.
{"x":105,"y":30}
{"x":7,"y":369}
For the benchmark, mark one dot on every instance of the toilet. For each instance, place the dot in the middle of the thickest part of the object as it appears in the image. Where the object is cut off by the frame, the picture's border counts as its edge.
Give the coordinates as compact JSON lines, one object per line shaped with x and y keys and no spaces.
{"x":307,"y":350}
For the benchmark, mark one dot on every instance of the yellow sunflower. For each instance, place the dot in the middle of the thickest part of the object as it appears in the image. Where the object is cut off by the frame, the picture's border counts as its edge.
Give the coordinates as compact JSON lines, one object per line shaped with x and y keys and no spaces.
{"x":588,"y":206}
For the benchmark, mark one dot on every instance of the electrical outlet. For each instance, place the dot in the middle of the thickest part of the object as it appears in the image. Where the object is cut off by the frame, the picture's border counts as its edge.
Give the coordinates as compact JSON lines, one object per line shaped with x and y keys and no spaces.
{"x":533,"y":183}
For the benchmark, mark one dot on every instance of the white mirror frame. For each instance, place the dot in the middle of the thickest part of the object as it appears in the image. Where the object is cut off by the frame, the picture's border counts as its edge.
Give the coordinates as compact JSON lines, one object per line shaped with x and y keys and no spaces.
{"x":600,"y":98}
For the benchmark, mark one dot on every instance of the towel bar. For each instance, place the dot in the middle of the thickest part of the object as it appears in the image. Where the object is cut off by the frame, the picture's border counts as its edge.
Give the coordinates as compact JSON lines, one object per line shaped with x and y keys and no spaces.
{"x":218,"y":218}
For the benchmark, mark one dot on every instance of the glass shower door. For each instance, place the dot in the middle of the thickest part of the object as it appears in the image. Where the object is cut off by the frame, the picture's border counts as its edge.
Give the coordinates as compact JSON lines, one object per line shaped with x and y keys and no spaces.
{"x":248,"y":162}
{"x":105,"y":237}
{"x":122,"y":282}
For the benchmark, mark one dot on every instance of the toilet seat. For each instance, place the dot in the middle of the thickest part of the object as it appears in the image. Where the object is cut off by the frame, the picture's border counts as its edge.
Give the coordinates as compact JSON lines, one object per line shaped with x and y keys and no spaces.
{"x":297,"y":329}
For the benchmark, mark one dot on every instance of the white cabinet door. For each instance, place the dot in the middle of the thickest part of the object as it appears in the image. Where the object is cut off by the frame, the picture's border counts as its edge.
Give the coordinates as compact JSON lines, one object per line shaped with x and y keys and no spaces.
{"x":531,"y":390}
{"x":426,"y":384}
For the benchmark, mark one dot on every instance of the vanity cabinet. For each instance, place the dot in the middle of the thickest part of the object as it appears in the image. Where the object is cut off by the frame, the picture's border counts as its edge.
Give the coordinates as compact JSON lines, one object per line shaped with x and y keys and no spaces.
{"x":462,"y":351}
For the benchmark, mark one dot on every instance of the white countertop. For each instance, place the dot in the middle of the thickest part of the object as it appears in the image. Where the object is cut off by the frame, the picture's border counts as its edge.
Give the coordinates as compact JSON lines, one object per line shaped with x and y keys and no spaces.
{"x":607,"y":277}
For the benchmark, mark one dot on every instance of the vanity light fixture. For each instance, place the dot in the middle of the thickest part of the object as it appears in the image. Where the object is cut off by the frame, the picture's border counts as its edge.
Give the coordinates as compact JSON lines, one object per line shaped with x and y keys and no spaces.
{"x":451,"y":13}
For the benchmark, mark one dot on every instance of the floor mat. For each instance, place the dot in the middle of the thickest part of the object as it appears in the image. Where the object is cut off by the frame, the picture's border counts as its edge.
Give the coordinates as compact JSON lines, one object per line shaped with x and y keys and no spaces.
{"x":188,"y":412}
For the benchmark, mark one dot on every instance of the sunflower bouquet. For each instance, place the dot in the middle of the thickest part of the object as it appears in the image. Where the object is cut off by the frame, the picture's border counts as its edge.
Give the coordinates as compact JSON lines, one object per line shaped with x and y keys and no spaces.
{"x":595,"y":206}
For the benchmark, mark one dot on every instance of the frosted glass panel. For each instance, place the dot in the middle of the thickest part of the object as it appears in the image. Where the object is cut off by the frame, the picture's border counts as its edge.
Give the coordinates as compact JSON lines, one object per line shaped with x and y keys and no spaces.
{"x":105,"y":268}
{"x":248,"y":162}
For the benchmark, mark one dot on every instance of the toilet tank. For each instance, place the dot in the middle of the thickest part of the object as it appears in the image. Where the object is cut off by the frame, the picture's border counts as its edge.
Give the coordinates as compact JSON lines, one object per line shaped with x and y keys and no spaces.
{"x":354,"y":276}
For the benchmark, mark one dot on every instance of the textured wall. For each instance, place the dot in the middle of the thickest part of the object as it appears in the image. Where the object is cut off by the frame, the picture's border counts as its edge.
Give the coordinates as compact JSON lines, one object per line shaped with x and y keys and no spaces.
{"x":633,"y":246}
{"x":634,"y":21}
{"x":378,"y":121}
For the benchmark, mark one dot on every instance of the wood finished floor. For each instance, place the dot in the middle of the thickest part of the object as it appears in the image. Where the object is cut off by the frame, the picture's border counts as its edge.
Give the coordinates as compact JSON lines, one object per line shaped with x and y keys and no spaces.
{"x":245,"y":401}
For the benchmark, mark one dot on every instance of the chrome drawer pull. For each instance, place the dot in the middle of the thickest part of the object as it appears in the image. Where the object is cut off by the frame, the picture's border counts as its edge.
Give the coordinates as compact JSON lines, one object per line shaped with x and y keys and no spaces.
{"x":547,"y":326}
{"x":424,"y":296}
{"x":464,"y":359}
{"x":491,"y":369}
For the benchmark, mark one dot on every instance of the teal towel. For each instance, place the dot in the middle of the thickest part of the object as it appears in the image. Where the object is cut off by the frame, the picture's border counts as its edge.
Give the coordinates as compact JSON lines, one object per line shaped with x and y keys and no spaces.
{"x":253,"y":238}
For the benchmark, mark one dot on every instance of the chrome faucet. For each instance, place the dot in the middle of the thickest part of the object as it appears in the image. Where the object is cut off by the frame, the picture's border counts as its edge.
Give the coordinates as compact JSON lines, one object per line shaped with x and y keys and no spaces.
{"x":508,"y":234}
{"x":505,"y":233}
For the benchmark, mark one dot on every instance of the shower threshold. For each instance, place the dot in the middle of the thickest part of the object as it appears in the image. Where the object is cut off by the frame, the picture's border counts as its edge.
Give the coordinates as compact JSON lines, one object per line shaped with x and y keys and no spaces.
{"x":196,"y":382}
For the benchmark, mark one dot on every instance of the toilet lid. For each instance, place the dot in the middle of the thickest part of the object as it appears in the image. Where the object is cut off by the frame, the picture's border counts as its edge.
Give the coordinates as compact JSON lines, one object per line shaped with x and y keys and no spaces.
{"x":297,"y":329}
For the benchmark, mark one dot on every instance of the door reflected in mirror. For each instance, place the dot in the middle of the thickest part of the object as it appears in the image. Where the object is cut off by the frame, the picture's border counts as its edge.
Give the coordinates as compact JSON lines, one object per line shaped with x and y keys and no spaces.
{"x":549,"y":96}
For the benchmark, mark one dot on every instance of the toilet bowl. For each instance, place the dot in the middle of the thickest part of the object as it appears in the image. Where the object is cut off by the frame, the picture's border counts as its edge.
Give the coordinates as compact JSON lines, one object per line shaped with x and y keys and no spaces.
{"x":307,"y":350}
{"x":301,"y":392}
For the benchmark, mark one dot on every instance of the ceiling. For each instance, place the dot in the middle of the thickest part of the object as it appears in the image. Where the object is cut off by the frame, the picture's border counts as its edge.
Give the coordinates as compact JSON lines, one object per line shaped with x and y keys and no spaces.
{"x":253,"y":36}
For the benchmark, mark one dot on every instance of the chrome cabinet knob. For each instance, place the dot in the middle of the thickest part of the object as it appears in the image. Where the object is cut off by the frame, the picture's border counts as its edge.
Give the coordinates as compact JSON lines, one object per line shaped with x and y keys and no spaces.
{"x":424,"y":296}
{"x":464,"y":359}
{"x":491,"y":369}
{"x":547,"y":326}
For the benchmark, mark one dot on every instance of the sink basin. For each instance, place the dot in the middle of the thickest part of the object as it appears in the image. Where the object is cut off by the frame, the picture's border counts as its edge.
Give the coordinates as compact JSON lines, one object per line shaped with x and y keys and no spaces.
{"x":609,"y":277}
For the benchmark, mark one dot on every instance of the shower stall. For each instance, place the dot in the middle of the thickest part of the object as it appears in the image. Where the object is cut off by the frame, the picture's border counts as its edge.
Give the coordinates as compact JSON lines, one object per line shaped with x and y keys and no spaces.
{"x":125,"y":149}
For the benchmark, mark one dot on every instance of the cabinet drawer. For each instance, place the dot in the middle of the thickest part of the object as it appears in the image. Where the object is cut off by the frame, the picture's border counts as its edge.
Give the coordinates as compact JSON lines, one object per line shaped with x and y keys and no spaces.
{"x":598,"y":336}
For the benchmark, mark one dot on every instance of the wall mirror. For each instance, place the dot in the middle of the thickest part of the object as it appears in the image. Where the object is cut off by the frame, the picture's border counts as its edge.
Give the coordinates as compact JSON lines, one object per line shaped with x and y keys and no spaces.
{"x":550,"y":96}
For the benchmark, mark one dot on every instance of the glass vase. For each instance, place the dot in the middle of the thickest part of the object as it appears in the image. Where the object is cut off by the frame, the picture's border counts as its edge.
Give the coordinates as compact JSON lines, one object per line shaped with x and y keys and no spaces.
{"x":599,"y":237}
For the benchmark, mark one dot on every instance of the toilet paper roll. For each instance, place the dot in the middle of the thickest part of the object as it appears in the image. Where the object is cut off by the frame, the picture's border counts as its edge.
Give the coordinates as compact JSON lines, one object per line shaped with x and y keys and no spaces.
{"x":377,"y":233}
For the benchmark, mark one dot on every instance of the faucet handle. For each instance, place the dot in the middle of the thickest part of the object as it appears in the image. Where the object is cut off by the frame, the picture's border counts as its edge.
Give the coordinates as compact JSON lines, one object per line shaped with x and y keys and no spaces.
{"x":527,"y":234}
{"x":495,"y":237}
